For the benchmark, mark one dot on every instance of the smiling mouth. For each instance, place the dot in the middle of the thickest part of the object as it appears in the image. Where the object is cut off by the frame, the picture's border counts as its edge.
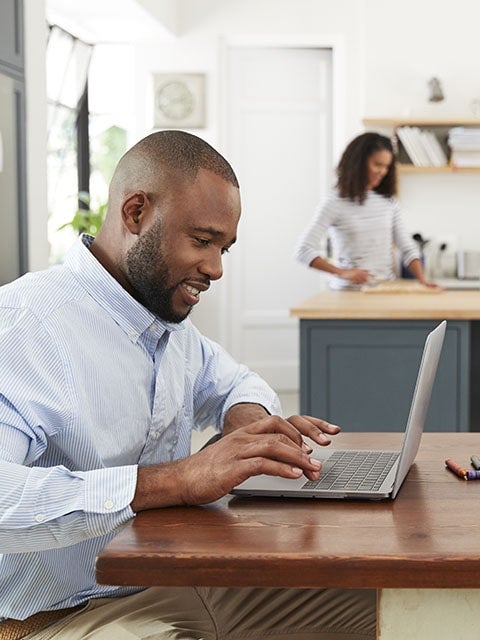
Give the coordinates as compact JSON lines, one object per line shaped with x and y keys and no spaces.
{"x":192,"y":294}
{"x":192,"y":290}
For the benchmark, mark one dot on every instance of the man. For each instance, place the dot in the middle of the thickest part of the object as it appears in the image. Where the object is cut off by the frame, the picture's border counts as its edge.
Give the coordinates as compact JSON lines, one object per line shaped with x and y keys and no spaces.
{"x":103,"y":377}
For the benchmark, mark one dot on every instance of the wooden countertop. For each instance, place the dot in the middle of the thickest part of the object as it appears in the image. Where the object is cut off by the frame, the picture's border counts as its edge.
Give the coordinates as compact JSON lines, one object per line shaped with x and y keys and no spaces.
{"x":357,"y":305}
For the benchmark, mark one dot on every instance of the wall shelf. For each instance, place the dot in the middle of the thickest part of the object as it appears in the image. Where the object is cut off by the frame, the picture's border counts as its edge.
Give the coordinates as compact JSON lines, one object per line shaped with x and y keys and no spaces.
{"x":393,"y":123}
{"x":411,"y":168}
{"x":439,"y":127}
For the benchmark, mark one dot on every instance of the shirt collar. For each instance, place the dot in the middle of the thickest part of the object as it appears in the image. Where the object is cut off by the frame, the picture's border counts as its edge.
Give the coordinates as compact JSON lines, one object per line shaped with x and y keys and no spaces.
{"x":127,"y":312}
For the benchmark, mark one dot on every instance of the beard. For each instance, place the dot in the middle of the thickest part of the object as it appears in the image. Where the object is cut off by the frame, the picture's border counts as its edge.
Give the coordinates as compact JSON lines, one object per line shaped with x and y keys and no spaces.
{"x":149,"y":276}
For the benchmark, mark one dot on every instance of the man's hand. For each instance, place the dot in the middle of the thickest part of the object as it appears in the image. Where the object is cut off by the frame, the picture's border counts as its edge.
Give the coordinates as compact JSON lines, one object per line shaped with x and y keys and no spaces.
{"x":272,"y":445}
{"x":243,"y":414}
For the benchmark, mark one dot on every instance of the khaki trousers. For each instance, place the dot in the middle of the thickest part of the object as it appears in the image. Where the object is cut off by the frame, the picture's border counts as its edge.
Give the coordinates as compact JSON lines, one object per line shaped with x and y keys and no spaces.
{"x":201,"y":613}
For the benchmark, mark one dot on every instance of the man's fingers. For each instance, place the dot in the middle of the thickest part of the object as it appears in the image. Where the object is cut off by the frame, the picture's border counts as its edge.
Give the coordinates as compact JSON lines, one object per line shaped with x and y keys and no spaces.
{"x":262,"y":448}
{"x":276,"y":424}
{"x":276,"y":447}
{"x":258,"y":466}
{"x":314,"y":428}
{"x":295,"y":427}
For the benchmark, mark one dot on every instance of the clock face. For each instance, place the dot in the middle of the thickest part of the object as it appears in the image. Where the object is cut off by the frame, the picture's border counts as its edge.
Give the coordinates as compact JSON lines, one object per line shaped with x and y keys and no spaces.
{"x":175,"y":100}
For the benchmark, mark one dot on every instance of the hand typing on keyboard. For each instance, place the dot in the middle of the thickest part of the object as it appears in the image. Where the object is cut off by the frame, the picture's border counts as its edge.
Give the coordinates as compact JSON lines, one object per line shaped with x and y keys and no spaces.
{"x":252,"y":443}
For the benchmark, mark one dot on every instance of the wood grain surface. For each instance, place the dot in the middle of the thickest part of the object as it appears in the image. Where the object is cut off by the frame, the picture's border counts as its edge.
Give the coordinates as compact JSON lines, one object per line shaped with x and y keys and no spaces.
{"x":428,"y":537}
{"x":355,"y":305}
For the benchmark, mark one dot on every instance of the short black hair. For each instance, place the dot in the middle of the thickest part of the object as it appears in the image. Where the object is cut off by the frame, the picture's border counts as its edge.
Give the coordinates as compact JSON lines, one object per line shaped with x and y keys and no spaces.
{"x":352,"y":168}
{"x":172,"y":153}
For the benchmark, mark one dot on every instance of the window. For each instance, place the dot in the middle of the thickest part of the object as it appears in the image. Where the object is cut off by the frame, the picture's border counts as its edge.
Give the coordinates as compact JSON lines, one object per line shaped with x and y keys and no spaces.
{"x":68,"y":59}
{"x":87,"y":131}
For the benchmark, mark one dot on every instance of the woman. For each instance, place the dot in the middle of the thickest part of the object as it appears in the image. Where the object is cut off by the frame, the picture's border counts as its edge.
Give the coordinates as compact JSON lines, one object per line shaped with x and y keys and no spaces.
{"x":362,"y":219}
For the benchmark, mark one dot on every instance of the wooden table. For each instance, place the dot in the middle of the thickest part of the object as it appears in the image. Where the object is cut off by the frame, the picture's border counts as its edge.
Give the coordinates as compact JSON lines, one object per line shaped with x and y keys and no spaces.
{"x":421,"y":551}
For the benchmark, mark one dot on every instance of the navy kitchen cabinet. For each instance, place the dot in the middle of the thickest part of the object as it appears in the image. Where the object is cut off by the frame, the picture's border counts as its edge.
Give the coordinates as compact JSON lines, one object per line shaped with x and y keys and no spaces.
{"x":361,"y":374}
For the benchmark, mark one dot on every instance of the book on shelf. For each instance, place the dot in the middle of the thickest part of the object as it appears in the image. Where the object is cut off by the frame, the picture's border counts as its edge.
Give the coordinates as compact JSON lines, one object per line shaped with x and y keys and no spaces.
{"x":464,"y":138}
{"x":465,"y":145}
{"x":442,"y":158}
{"x":406,"y":137}
{"x":437,"y":156}
{"x":465,"y":158}
{"x":422,"y":147}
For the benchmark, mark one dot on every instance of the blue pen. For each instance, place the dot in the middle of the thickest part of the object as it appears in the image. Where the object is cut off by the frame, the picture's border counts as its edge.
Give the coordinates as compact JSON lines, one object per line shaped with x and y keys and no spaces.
{"x":475,"y":460}
{"x":473,"y":475}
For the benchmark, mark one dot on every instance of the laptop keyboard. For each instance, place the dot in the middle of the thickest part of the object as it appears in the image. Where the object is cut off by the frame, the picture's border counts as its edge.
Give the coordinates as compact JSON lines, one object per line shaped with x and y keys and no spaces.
{"x":354,"y":470}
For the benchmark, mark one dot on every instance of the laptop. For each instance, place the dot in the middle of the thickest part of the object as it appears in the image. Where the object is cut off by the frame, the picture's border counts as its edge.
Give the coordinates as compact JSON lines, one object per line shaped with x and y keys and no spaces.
{"x":371,"y":475}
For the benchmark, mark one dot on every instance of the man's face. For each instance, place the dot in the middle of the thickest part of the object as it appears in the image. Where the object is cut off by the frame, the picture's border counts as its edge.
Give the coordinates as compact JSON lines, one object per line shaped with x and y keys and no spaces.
{"x":178,"y":255}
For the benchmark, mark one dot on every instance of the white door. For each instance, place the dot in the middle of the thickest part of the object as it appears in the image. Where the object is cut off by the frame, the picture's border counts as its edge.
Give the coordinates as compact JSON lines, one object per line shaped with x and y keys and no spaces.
{"x":279,"y":141}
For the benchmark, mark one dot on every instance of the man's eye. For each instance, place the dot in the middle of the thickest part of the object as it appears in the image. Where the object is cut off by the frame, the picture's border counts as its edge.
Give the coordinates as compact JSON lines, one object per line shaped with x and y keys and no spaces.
{"x":203,"y":242}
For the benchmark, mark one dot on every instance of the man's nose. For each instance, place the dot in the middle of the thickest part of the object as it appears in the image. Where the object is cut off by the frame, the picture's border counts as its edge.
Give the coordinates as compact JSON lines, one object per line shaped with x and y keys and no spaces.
{"x":212,"y":266}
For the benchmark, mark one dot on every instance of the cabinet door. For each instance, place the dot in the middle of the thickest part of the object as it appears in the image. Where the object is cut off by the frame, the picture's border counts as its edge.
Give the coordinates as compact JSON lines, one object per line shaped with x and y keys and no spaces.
{"x":361,"y":374}
{"x":11,"y":33}
{"x":12,"y":188}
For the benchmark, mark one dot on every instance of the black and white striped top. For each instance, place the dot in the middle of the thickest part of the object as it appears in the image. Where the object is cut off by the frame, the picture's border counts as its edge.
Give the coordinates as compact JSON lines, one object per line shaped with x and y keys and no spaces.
{"x":361,"y":235}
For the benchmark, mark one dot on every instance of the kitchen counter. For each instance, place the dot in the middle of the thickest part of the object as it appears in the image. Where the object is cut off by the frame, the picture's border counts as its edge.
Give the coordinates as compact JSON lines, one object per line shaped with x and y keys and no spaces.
{"x":357,"y":305}
{"x":360,"y":352}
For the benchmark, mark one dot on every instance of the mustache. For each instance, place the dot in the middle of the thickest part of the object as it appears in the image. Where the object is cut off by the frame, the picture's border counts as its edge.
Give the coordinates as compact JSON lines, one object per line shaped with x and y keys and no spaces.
{"x":202,"y":282}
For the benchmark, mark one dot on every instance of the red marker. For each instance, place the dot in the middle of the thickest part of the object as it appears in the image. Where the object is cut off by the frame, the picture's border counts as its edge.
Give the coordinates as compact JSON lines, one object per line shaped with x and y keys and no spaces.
{"x":457,"y":469}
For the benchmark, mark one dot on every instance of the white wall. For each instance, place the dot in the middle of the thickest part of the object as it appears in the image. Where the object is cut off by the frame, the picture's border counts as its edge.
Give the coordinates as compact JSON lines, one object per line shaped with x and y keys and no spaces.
{"x":391,"y":50}
{"x":406,"y":44}
{"x":205,"y":26}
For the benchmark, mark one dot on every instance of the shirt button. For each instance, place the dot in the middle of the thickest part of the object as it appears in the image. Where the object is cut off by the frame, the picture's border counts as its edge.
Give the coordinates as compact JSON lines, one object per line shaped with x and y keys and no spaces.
{"x":108,"y":504}
{"x":40,"y":517}
{"x":153,"y":327}
{"x":132,"y":333}
{"x":154,"y":435}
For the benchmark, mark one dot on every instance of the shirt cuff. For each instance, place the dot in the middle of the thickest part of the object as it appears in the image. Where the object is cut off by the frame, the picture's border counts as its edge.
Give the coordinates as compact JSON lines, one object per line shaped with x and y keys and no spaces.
{"x":109,"y":490}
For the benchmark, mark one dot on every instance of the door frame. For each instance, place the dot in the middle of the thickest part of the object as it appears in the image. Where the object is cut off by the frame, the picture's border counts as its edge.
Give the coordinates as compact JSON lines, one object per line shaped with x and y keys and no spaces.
{"x":337,"y":45}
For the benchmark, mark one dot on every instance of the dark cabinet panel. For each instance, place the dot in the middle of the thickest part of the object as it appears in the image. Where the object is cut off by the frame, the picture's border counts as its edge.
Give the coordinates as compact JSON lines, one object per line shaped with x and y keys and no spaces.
{"x":13,"y":238}
{"x":13,"y":259}
{"x":11,"y":33}
{"x":361,"y":374}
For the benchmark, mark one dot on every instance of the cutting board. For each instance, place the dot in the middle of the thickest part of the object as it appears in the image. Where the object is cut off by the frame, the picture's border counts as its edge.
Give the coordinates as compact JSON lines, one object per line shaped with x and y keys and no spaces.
{"x":400,"y":286}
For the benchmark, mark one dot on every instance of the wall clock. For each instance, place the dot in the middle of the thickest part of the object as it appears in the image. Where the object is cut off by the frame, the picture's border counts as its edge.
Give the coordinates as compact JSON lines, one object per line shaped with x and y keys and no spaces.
{"x":179,"y":100}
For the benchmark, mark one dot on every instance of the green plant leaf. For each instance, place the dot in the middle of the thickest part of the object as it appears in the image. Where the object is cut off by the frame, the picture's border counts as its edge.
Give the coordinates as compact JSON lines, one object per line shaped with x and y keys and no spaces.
{"x":86,"y":220}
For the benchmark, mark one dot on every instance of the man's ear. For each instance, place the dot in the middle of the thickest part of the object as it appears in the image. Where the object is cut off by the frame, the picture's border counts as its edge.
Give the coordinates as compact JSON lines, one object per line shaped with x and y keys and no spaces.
{"x":134,"y":211}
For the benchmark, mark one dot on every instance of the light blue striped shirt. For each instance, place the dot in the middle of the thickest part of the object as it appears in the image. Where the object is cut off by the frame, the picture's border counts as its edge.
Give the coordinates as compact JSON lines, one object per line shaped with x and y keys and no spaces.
{"x":92,"y":385}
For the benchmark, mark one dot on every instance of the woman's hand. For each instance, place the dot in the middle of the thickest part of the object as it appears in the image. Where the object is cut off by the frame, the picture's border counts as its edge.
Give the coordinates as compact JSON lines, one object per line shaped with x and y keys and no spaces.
{"x":356,"y":276}
{"x":433,"y":285}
